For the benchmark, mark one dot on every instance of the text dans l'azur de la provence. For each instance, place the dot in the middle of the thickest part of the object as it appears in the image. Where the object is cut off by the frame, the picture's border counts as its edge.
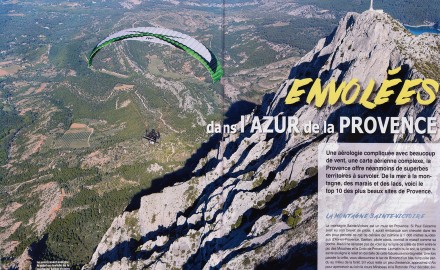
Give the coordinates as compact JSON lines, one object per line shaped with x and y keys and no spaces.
{"x":347,"y":93}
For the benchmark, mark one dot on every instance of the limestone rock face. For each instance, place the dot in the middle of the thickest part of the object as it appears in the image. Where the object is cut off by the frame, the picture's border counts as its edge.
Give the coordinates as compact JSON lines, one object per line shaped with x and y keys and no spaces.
{"x":252,"y":202}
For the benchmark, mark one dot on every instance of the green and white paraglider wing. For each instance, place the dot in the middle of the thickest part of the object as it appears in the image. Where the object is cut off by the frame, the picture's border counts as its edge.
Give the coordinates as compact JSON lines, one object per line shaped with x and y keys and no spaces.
{"x":167,"y":37}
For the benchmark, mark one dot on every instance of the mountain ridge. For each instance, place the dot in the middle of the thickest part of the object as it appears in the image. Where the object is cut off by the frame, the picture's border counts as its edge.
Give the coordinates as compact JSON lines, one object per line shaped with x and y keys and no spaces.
{"x":251,"y":203}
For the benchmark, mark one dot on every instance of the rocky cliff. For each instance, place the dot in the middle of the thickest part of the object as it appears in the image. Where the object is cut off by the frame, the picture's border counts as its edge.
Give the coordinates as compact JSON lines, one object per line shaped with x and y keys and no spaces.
{"x":251,"y":202}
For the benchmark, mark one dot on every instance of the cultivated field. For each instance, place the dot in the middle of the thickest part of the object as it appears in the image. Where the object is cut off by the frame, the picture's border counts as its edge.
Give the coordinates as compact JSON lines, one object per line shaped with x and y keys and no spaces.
{"x":78,"y":136}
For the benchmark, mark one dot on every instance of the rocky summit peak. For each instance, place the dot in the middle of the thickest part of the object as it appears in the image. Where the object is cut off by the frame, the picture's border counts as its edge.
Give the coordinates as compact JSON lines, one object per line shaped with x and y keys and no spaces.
{"x":252,"y":202}
{"x":365,"y":46}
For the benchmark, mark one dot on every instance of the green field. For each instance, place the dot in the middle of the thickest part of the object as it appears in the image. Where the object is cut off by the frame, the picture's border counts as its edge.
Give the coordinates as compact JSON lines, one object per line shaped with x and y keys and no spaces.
{"x":74,"y":140}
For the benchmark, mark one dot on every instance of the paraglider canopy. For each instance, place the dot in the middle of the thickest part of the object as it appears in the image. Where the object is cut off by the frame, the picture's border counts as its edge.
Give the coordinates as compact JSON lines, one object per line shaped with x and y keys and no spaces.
{"x":167,"y":37}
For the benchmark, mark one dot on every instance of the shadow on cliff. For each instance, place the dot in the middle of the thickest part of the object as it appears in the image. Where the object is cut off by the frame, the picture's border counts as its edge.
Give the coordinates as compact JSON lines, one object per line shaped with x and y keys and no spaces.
{"x":232,"y":116}
{"x":311,"y":69}
{"x":232,"y":240}
{"x":272,"y":206}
